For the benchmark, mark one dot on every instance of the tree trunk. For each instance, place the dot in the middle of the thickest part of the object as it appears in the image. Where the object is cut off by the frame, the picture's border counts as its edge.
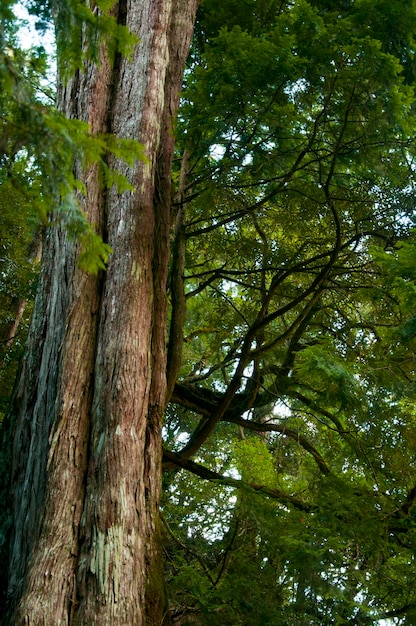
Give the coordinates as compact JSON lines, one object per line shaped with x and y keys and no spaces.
{"x":88,"y":409}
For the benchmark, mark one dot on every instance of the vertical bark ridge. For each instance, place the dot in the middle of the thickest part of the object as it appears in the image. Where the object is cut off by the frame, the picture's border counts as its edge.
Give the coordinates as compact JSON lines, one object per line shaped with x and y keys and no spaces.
{"x":53,"y":401}
{"x":87,"y":456}
{"x":117,"y":552}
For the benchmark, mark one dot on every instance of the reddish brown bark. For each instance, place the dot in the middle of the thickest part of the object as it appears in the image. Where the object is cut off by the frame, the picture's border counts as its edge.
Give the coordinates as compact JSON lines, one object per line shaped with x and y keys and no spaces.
{"x":87,"y":445}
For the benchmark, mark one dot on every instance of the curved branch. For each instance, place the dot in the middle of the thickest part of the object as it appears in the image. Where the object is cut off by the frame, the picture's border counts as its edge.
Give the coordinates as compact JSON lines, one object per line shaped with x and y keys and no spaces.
{"x":279,"y":428}
{"x":315,"y":407}
{"x":172,"y":460}
{"x":399,"y":612}
{"x":410,"y":500}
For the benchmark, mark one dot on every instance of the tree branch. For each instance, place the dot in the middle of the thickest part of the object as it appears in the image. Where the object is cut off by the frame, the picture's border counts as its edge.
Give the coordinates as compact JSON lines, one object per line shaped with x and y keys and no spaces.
{"x":279,"y":428}
{"x":172,"y":460}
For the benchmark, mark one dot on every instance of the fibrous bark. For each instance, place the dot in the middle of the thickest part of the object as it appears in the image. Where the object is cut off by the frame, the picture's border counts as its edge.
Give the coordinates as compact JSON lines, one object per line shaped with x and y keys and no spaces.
{"x":88,"y":408}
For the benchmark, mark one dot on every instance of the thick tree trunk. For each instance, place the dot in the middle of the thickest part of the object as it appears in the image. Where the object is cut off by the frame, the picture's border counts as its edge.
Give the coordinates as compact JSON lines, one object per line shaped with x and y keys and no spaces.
{"x":88,"y":410}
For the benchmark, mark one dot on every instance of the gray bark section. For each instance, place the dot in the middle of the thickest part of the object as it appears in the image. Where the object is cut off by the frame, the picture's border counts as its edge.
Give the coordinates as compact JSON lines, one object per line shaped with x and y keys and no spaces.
{"x":87,"y":449}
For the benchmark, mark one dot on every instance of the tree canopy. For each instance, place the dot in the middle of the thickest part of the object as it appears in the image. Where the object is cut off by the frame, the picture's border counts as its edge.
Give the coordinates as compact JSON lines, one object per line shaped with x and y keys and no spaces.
{"x":289,"y":438}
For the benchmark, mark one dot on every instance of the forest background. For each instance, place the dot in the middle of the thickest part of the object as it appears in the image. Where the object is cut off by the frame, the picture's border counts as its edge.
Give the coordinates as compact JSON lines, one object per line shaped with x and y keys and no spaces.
{"x":290,"y":435}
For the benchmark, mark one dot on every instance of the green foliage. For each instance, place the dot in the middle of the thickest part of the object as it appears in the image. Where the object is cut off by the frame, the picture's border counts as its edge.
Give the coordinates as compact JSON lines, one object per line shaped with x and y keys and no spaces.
{"x":255,"y":462}
{"x":38,"y":150}
{"x":94,"y":252}
{"x":298,"y":122}
{"x":39,"y":145}
{"x":328,"y":374}
{"x":19,"y":265}
{"x":82,"y":31}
